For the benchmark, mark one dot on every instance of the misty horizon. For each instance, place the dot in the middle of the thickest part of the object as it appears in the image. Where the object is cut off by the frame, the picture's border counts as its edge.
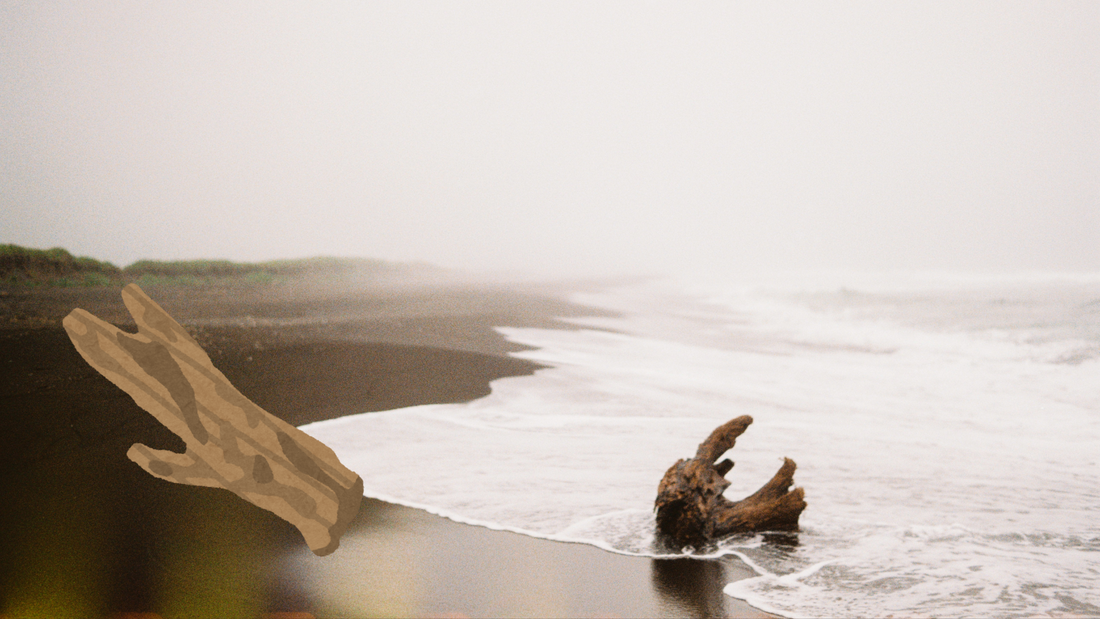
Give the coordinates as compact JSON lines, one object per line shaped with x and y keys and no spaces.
{"x":568,"y":139}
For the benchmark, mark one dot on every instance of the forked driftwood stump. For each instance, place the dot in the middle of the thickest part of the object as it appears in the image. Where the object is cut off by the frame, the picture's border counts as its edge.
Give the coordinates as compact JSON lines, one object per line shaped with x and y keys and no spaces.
{"x":690,"y":506}
{"x":231,"y":442}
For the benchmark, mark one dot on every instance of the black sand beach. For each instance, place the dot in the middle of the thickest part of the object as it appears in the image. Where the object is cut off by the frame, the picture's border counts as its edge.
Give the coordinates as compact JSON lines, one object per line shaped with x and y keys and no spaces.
{"x":87,"y":533}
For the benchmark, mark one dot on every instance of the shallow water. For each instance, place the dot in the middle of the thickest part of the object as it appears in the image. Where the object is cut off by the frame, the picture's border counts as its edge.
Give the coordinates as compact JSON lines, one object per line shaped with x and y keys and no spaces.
{"x":947,"y":432}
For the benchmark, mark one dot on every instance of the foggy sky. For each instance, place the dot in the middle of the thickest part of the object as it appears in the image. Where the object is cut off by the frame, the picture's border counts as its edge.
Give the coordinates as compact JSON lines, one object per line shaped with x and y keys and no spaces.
{"x":573,"y":138}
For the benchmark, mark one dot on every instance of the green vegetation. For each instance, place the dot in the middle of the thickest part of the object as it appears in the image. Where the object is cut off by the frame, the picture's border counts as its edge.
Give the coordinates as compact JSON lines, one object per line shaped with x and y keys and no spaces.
{"x":22,"y":266}
{"x":200,"y":272}
{"x":26,"y":266}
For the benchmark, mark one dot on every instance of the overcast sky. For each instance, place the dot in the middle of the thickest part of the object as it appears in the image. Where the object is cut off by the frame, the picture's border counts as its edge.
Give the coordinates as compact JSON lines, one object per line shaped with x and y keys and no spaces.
{"x":578,"y":138}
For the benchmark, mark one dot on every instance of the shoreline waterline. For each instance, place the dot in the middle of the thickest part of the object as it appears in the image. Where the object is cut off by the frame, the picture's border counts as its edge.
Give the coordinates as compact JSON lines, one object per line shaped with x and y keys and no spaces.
{"x":91,"y":534}
{"x":933,"y":485}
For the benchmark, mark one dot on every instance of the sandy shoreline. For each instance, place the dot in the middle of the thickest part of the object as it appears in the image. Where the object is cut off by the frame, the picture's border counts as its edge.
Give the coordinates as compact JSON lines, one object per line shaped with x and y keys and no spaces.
{"x":90,"y":534}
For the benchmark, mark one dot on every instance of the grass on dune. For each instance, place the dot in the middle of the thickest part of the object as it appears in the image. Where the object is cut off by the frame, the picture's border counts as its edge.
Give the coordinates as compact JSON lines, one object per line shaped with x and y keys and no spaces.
{"x":28,"y":267}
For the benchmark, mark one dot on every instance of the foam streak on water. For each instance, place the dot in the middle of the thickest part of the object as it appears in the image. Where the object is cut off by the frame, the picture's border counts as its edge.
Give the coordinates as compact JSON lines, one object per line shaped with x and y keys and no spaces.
{"x":947,"y":434}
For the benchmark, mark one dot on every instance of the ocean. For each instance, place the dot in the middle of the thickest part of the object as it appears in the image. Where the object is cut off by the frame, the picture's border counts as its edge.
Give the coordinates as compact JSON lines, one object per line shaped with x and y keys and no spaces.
{"x":946,"y":430}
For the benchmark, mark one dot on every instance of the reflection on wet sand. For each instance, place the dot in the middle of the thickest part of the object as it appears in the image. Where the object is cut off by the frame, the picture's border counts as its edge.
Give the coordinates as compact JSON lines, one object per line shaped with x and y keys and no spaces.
{"x":694,"y":586}
{"x":398,"y":561}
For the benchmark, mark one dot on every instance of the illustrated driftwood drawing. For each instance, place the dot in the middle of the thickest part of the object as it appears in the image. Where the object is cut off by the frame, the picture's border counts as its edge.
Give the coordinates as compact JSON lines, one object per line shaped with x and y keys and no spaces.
{"x":690,"y":506}
{"x":231,"y":442}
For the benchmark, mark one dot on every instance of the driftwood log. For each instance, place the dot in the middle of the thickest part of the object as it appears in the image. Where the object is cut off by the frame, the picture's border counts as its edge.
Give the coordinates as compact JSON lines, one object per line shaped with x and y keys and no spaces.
{"x":231,"y":442}
{"x":692,"y":511}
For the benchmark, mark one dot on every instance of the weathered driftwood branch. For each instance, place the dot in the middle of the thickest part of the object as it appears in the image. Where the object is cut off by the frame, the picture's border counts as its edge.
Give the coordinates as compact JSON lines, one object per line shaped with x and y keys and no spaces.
{"x":690,"y":506}
{"x":231,"y":442}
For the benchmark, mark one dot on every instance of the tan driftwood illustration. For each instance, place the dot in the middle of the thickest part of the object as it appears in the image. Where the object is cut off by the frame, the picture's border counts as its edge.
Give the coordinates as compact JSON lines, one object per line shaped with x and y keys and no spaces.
{"x":690,"y":506}
{"x":231,"y":442}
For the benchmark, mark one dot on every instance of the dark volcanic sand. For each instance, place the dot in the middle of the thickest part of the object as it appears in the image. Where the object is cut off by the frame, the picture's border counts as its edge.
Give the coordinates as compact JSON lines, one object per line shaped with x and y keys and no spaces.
{"x":87,"y":533}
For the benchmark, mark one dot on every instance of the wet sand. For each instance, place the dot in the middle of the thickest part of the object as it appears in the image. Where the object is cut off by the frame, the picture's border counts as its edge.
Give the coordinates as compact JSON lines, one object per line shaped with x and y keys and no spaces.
{"x":87,"y":533}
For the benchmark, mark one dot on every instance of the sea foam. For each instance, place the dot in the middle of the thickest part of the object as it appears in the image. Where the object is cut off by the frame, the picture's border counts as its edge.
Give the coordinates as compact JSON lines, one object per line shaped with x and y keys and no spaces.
{"x":947,"y":434}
